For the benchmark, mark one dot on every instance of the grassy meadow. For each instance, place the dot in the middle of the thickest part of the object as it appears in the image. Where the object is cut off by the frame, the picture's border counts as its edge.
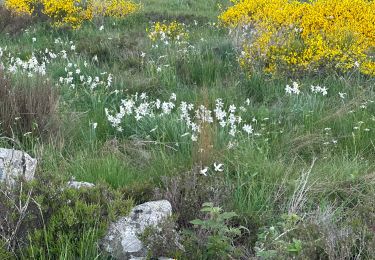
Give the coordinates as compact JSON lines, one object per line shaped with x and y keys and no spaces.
{"x":295,"y":163}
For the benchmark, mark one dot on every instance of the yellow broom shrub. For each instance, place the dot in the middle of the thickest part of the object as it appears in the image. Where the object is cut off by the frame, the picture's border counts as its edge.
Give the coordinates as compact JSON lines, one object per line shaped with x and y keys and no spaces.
{"x":305,"y":36}
{"x":73,"y":13}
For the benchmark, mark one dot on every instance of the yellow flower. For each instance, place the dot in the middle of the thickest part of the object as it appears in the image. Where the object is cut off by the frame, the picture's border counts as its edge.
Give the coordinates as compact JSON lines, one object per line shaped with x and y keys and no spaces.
{"x":73,"y":13}
{"x":293,"y":35}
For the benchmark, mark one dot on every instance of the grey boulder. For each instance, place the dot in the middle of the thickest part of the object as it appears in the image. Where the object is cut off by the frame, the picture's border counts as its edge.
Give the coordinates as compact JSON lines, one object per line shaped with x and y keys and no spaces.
{"x":122,"y":240}
{"x":15,"y":164}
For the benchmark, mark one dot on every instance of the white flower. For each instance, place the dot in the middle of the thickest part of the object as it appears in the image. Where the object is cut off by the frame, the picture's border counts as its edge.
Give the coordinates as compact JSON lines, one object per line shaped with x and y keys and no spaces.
{"x":158,"y":69}
{"x":143,"y":54}
{"x":342,"y":95}
{"x":218,"y":167}
{"x":319,"y":89}
{"x":248,"y":129}
{"x":204,"y":171}
{"x":34,"y":39}
{"x":73,"y":47}
{"x":101,"y":28}
{"x":292,"y":90}
{"x":94,"y":125}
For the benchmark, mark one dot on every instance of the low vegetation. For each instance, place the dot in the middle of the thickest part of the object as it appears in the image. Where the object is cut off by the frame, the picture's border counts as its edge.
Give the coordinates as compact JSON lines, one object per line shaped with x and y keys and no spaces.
{"x":255,"y":119}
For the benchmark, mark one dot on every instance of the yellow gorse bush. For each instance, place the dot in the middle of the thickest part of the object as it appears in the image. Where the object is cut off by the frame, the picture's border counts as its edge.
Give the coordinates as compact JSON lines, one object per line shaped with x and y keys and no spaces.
{"x":21,"y":6}
{"x":305,"y":36}
{"x":114,"y":8}
{"x":73,"y":12}
{"x":67,"y":12}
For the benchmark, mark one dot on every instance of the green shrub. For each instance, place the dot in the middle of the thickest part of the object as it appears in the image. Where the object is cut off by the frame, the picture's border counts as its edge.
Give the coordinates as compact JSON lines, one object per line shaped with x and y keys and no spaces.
{"x":218,"y":239}
{"x":57,"y":221}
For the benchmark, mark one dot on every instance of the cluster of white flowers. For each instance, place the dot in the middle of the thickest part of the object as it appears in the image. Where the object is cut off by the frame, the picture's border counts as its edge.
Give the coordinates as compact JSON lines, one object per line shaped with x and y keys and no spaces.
{"x":38,"y":63}
{"x":31,"y":66}
{"x":75,"y":77}
{"x":217,"y":167}
{"x":319,"y":90}
{"x":294,"y":89}
{"x":191,"y":115}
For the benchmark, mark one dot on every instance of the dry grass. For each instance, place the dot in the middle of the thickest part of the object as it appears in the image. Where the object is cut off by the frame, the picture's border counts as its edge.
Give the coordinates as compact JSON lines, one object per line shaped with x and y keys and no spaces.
{"x":203,"y":152}
{"x":27,"y":109}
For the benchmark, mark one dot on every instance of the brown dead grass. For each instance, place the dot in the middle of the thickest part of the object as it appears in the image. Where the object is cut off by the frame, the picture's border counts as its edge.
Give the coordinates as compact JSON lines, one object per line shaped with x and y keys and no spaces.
{"x":28,"y":108}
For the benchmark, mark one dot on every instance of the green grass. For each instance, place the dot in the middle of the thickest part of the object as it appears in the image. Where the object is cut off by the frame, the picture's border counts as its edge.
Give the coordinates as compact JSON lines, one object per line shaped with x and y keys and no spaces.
{"x":262,"y":171}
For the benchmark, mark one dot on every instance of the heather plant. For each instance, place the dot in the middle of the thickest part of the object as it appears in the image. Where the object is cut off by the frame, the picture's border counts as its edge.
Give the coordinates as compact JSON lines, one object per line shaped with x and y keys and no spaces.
{"x":12,"y":23}
{"x":294,"y":36}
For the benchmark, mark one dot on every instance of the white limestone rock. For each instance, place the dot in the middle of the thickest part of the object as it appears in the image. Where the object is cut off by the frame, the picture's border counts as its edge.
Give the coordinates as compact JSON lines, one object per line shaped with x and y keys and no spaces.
{"x":122,"y":240}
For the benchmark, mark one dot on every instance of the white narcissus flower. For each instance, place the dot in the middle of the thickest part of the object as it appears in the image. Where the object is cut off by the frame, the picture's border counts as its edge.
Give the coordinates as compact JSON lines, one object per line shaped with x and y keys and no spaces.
{"x":342,"y":95}
{"x":219,"y":167}
{"x":204,"y":171}
{"x":247,"y":129}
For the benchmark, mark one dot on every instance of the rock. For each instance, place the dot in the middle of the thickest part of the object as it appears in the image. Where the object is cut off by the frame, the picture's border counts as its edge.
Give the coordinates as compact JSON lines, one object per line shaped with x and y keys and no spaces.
{"x":14,"y":164}
{"x":80,"y":184}
{"x":122,"y":240}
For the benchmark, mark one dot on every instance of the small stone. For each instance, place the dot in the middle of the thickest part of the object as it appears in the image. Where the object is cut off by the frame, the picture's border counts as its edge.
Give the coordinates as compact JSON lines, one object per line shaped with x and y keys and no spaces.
{"x":80,"y":184}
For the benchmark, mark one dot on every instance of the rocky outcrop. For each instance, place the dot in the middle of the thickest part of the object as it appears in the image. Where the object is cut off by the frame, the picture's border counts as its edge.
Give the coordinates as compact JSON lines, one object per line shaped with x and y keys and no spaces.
{"x":122,"y":240}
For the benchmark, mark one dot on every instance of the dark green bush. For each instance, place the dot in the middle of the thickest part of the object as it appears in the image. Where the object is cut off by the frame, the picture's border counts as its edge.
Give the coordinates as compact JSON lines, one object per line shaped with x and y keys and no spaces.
{"x":57,"y":220}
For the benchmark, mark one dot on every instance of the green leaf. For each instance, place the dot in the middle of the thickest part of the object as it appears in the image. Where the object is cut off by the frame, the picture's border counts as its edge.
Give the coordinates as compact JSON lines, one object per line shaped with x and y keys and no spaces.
{"x":197,"y":222}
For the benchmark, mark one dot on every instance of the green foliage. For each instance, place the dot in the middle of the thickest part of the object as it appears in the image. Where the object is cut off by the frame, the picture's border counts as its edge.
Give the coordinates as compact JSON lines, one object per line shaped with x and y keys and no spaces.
{"x":74,"y":217}
{"x":59,"y":221}
{"x":219,"y":242}
{"x":4,"y":253}
{"x":261,"y":171}
{"x":272,"y":242}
